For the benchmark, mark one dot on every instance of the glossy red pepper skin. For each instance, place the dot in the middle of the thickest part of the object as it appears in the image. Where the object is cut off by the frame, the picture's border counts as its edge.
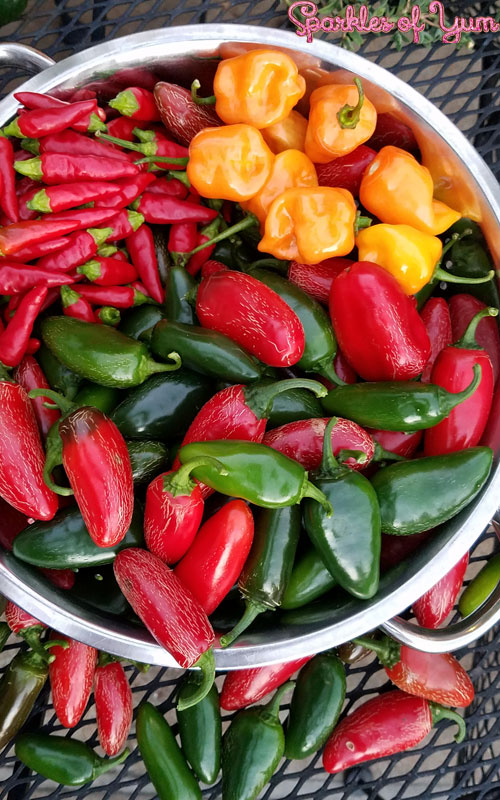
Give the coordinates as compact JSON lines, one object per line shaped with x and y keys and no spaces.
{"x":303,"y":441}
{"x":23,"y":234}
{"x":377,"y":325}
{"x":119,"y":296}
{"x":130,"y":190}
{"x":71,"y":195}
{"x":14,"y":340}
{"x":71,"y":677}
{"x":121,"y":226}
{"x":462,"y":308}
{"x":19,"y":620}
{"x":71,"y":143}
{"x":437,"y":320}
{"x":398,"y":442}
{"x":180,"y":114}
{"x":45,"y":121}
{"x":112,"y":271}
{"x":197,"y":260}
{"x":80,"y":247}
{"x":346,"y":172}
{"x":242,"y":687}
{"x":317,"y":279}
{"x":62,"y":578}
{"x":15,"y":277}
{"x":163,"y":209}
{"x":33,"y":100}
{"x":25,"y":212}
{"x":170,"y":186}
{"x":40,"y":250}
{"x":209,"y":267}
{"x":182,"y":237}
{"x":146,"y":110}
{"x":171,"y":521}
{"x":213,"y":563}
{"x":433,"y":607}
{"x":438,"y":677}
{"x":395,"y":549}
{"x":168,"y":610}
{"x":77,"y":307}
{"x":12,"y":522}
{"x":141,"y":247}
{"x":97,"y":463}
{"x":62,"y":168}
{"x":113,"y":706}
{"x":391,"y":131}
{"x":29,"y":375}
{"x":251,"y":314}
{"x":81,"y":218}
{"x":8,"y":198}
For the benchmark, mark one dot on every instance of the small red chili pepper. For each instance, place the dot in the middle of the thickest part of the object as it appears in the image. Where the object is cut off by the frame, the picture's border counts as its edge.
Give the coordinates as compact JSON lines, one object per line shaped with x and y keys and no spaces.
{"x":141,"y":290}
{"x":397,"y":442}
{"x":118,"y":296}
{"x":108,"y":271}
{"x":82,"y":94}
{"x":15,"y":277}
{"x":23,"y":184}
{"x":391,"y":131}
{"x":242,"y":687}
{"x":74,"y":305}
{"x":29,"y":375}
{"x":33,"y":100}
{"x":182,"y":239}
{"x":434,"y":606}
{"x":113,"y":705}
{"x":25,"y":212}
{"x":436,"y":317}
{"x":71,"y":195}
{"x":136,"y":103}
{"x":214,"y":561}
{"x":141,"y":247}
{"x":123,"y":224}
{"x":211,"y":266}
{"x":39,"y":249}
{"x":462,"y":309}
{"x":346,"y":172}
{"x":19,"y":620}
{"x":8,"y":197}
{"x":377,"y":325}
{"x":396,"y":549}
{"x":123,"y":127}
{"x":251,"y":314}
{"x":45,"y":121}
{"x":387,"y":724}
{"x":453,"y":369}
{"x":197,"y":260}
{"x":129,"y":190}
{"x":23,"y":234}
{"x":317,"y":279}
{"x":82,"y":218}
{"x":163,"y":209}
{"x":53,"y":296}
{"x":72,"y":143}
{"x":62,"y":578}
{"x":56,"y":168}
{"x":33,"y":346}
{"x":12,"y":522}
{"x":180,"y":114}
{"x":171,"y":186}
{"x":156,"y":148}
{"x":434,"y":676}
{"x":71,"y":677}
{"x":14,"y":339}
{"x":80,"y":247}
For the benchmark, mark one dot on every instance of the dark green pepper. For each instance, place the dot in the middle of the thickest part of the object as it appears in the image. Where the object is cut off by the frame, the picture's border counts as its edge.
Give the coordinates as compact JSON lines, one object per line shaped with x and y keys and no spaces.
{"x":398,"y":405}
{"x":309,"y":579}
{"x":163,"y":759}
{"x":162,"y":254}
{"x":147,"y":459}
{"x":417,"y":495}
{"x":102,"y":397}
{"x":139,"y":323}
{"x":480,"y":587}
{"x":4,"y":634}
{"x":294,"y":405}
{"x":200,"y":729}
{"x":65,"y":761}
{"x":60,"y":378}
{"x":97,"y":587}
{"x":65,"y":543}
{"x":11,"y":10}
{"x":252,"y":748}
{"x":317,"y":701}
{"x":20,"y":685}
{"x":469,"y":258}
{"x":269,"y":565}
{"x":100,"y":353}
{"x":180,"y":289}
{"x":206,"y":351}
{"x":163,"y":407}
{"x":234,"y":254}
{"x":349,"y":540}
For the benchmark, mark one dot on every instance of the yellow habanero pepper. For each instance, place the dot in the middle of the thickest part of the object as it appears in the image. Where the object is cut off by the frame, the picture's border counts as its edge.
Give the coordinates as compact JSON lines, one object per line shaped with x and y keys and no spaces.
{"x":341,"y":118}
{"x":290,"y":169}
{"x":310,"y":224}
{"x":232,"y":162}
{"x":408,"y":254}
{"x":289,"y":134}
{"x":259,"y":87}
{"x":398,"y":190}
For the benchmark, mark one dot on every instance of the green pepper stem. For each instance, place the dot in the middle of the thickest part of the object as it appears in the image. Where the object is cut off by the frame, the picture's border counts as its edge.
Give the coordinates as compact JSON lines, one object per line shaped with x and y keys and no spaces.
{"x":201,"y":101}
{"x":361,"y":222}
{"x":102,"y":765}
{"x":206,"y":663}
{"x":425,"y":292}
{"x":105,"y":659}
{"x":32,"y":168}
{"x":247,"y":222}
{"x":260,"y":398}
{"x":181,"y":483}
{"x":61,"y":402}
{"x":269,"y":263}
{"x":31,"y":146}
{"x":449,"y":400}
{"x":32,"y":638}
{"x":4,"y":634}
{"x":109,"y":315}
{"x":328,"y":372}
{"x":13,"y":129}
{"x":271,"y":710}
{"x":329,"y":464}
{"x":179,"y":175}
{"x":155,"y":366}
{"x":100,"y":235}
{"x":4,"y":374}
{"x":386,"y":649}
{"x":252,"y":611}
{"x":182,"y":162}
{"x":345,"y":454}
{"x":442,"y":275}
{"x":144,"y":136}
{"x":439,"y":712}
{"x":468,"y":340}
{"x":381,"y":454}
{"x":348,"y":116}
{"x":310,"y":490}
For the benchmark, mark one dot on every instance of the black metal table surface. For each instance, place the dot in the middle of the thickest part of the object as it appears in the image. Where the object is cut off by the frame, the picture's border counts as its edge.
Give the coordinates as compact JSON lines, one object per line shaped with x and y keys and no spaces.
{"x":465,"y":85}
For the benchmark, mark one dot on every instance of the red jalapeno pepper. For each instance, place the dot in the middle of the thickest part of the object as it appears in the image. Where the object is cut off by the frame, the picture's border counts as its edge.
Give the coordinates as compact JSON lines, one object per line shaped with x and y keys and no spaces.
{"x":15,"y":277}
{"x":343,"y":369}
{"x":74,"y":305}
{"x":434,"y":606}
{"x":55,"y":118}
{"x":317,"y":279}
{"x":56,"y":168}
{"x":113,"y":704}
{"x":8,"y":198}
{"x":180,"y":114}
{"x":62,"y":578}
{"x":71,"y":195}
{"x":437,"y":320}
{"x":397,"y":442}
{"x":108,"y":271}
{"x":141,"y":247}
{"x":163,"y":209}
{"x":71,"y":676}
{"x":136,"y":103}
{"x":438,"y":677}
{"x":79,"y":248}
{"x":209,"y":267}
{"x":130,"y":190}
{"x":346,"y":171}
{"x":15,"y":338}
{"x":29,"y":375}
{"x":72,"y":143}
{"x":391,"y":131}
{"x":243,"y":687}
{"x":377,"y":325}
{"x":462,"y":309}
{"x":20,"y":621}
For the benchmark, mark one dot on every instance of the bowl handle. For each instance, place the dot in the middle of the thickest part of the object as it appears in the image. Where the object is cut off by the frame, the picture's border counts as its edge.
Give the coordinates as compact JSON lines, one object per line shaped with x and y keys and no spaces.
{"x":23,"y":57}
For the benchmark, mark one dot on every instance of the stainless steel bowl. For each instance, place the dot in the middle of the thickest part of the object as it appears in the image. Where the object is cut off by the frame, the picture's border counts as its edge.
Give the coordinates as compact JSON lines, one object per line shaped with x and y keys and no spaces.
{"x":460,"y":176}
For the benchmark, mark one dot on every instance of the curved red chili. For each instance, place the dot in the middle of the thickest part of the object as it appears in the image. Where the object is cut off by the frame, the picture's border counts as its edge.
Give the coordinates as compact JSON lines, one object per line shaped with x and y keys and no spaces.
{"x":435,"y":676}
{"x":80,"y":247}
{"x":463,"y":308}
{"x":8,"y":197}
{"x":130,"y":190}
{"x":164,"y":209}
{"x":434,"y":606}
{"x":136,"y":103}
{"x":72,"y":143}
{"x":15,"y":278}
{"x":437,"y":320}
{"x":141,"y":247}
{"x":108,"y":271}
{"x":74,"y":305}
{"x":346,"y":171}
{"x":71,"y":677}
{"x":39,"y":250}
{"x":113,"y":706}
{"x":29,"y":375}
{"x":55,"y":168}
{"x":242,"y":687}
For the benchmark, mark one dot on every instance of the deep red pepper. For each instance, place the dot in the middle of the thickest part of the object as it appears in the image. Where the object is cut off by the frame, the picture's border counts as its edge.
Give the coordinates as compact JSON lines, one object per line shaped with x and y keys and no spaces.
{"x":130,"y":190}
{"x":346,"y":172}
{"x":180,"y":114}
{"x":118,"y":296}
{"x":71,"y":195}
{"x":80,"y":247}
{"x":46,"y":121}
{"x":53,"y":296}
{"x":343,"y":369}
{"x":136,"y":103}
{"x":29,"y":375}
{"x":25,"y":212}
{"x":15,"y":277}
{"x":464,"y":425}
{"x":8,"y":197}
{"x":182,"y":238}
{"x":390,"y":130}
{"x":74,"y":305}
{"x":242,"y":687}
{"x":197,"y":260}
{"x":39,"y":250}
{"x":82,"y":94}
{"x":377,"y":325}
{"x":211,"y":266}
{"x":23,"y":234}
{"x":19,"y":620}
{"x":434,"y":606}
{"x":56,"y":168}
{"x":389,"y":723}
{"x":33,"y":100}
{"x":14,"y":339}
{"x":163,"y":209}
{"x":317,"y":279}
{"x":108,"y":271}
{"x":12,"y":522}
{"x":62,"y":578}
{"x":435,"y":676}
{"x":396,"y":549}
{"x":142,"y":251}
{"x":171,"y":186}
{"x":113,"y":706}
{"x":214,"y":561}
{"x":123,"y":224}
{"x":82,"y":218}
{"x":123,"y":127}
{"x":72,"y":143}
{"x":23,"y":184}
{"x":33,"y":346}
{"x":153,"y":145}
{"x":71,"y":678}
{"x":462,"y":308}
{"x":436,"y":317}
{"x":397,"y":442}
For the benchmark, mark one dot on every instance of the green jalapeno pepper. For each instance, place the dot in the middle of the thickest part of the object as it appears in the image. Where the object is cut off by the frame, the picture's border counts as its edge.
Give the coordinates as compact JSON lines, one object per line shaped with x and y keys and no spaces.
{"x":269,"y":565}
{"x":60,"y":378}
{"x":469,"y":258}
{"x":398,"y":405}
{"x":200,"y":729}
{"x":252,"y":748}
{"x":162,"y":254}
{"x":166,"y":766}
{"x":417,"y":495}
{"x":480,"y":588}
{"x":179,"y":290}
{"x":20,"y":685}
{"x":234,"y":254}
{"x":139,"y":323}
{"x":11,"y":10}
{"x":294,"y":405}
{"x":96,"y":587}
{"x":102,"y":397}
{"x":309,"y":580}
{"x":317,"y":701}
{"x":65,"y":761}
{"x":147,"y":460}
{"x":100,"y":353}
{"x":163,"y":407}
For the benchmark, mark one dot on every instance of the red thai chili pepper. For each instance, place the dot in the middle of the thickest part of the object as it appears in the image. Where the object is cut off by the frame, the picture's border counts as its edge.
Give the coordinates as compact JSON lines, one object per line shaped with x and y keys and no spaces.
{"x":33,"y":100}
{"x":39,"y":249}
{"x":72,"y":143}
{"x":24,"y":211}
{"x":141,"y":247}
{"x":62,"y":578}
{"x":453,"y":368}
{"x":154,"y":146}
{"x":33,"y":346}
{"x":23,"y":234}
{"x":180,"y":114}
{"x":211,"y":266}
{"x":14,"y":339}
{"x":377,"y":325}
{"x":397,"y":442}
{"x":12,"y":522}
{"x":29,"y":375}
{"x":303,"y":441}
{"x":171,"y":186}
{"x":71,"y":677}
{"x":80,"y":247}
{"x":396,"y":549}
{"x":119,"y":296}
{"x":15,"y":277}
{"x":387,"y":724}
{"x":71,"y":195}
{"x":45,"y":121}
{"x":462,"y":308}
{"x":251,"y":314}
{"x":82,"y":218}
{"x":123,"y":224}
{"x":55,"y":168}
{"x":438,"y":677}
{"x":19,"y":620}
{"x":8,"y":197}
{"x":123,"y":127}
{"x":108,"y":271}
{"x":197,"y":260}
{"x":434,"y":606}
{"x":163,"y":209}
{"x":23,"y":184}
{"x":436,"y":317}
{"x":182,"y":239}
{"x":317,"y":279}
{"x":53,"y":296}
{"x":136,"y":103}
{"x":390,"y":130}
{"x":169,"y":611}
{"x":113,"y":705}
{"x":346,"y":172}
{"x":214,"y":561}
{"x":130,"y":190}
{"x":242,"y":687}
{"x":74,"y":305}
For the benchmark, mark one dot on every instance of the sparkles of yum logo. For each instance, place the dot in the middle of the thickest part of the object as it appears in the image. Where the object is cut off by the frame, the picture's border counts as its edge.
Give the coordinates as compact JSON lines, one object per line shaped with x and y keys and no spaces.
{"x":362,"y":22}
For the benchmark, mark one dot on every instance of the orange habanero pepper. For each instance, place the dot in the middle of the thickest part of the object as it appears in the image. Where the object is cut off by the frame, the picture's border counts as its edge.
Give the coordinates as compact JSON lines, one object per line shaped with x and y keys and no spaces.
{"x":232,"y":162}
{"x":259,"y":87}
{"x":310,"y":224}
{"x":398,"y":190}
{"x":289,"y":134}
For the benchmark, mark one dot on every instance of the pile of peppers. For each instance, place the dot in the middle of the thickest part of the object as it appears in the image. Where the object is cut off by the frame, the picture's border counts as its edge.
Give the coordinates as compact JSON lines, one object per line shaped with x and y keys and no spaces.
{"x":248,"y":364}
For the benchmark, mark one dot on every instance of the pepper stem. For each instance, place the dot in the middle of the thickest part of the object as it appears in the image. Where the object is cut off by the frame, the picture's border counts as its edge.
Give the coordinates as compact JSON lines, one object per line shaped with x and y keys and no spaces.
{"x":260,"y":398}
{"x":102,"y":765}
{"x":206,"y":663}
{"x":4,"y":375}
{"x":155,"y":366}
{"x":4,"y":634}
{"x":61,"y":402}
{"x":180,"y":481}
{"x":442,"y":275}
{"x":269,"y":263}
{"x":272,"y":708}
{"x":252,"y":610}
{"x":348,"y":116}
{"x":452,"y":399}
{"x":179,"y":175}
{"x":427,"y":290}
{"x":247,"y":222}
{"x":310,"y":490}
{"x":182,"y":162}
{"x":358,"y":455}
{"x":439,"y":712}
{"x":109,"y":315}
{"x":147,"y":149}
{"x":32,"y":168}
{"x":329,"y":464}
{"x":328,"y":371}
{"x":468,"y":339}
{"x":386,"y":649}
{"x":201,"y":101}
{"x":381,"y":454}
{"x":361,"y":222}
